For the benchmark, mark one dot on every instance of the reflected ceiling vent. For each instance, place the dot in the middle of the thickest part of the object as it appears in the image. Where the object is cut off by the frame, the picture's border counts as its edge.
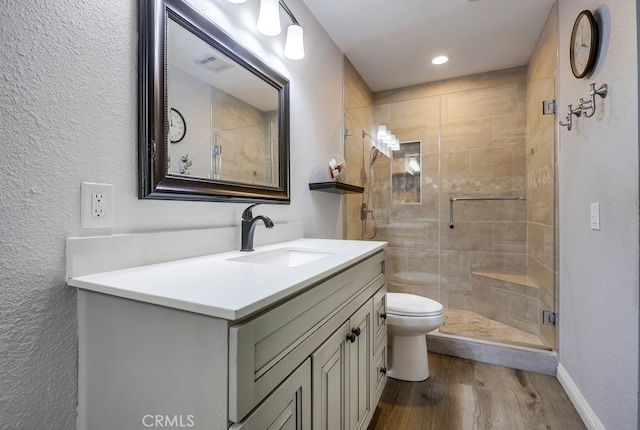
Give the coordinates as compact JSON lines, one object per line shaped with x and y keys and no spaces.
{"x":213,"y":63}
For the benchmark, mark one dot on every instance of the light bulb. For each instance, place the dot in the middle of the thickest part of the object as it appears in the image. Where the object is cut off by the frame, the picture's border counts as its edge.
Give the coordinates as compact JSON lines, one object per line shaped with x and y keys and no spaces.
{"x":294,"y":46}
{"x":440,"y":60}
{"x":269,"y":17}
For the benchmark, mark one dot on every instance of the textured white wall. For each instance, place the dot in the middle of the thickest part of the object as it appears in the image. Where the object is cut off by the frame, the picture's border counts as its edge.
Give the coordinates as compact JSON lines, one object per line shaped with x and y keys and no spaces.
{"x":599,"y":269}
{"x":68,"y":106}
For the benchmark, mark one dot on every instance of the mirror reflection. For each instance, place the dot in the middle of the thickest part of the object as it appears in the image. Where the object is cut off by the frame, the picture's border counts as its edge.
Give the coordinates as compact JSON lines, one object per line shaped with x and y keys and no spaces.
{"x":406,"y":173}
{"x":223,"y":120}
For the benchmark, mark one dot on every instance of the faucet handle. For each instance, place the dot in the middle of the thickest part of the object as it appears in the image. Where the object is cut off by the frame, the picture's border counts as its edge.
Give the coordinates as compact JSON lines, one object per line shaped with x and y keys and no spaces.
{"x":247,"y":215}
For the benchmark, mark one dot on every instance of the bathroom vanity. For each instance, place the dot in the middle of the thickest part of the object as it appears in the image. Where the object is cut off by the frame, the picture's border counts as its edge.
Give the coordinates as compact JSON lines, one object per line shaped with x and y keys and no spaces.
{"x":289,"y":336}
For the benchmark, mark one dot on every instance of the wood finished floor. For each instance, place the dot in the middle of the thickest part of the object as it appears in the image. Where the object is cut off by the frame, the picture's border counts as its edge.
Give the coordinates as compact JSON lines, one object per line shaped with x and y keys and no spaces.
{"x":462,"y":394}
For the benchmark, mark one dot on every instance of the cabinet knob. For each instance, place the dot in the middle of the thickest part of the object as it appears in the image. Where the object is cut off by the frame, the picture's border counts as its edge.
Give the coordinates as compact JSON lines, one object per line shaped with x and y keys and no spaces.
{"x":351,"y":337}
{"x":356,"y":331}
{"x":383,"y":370}
{"x":383,"y":315}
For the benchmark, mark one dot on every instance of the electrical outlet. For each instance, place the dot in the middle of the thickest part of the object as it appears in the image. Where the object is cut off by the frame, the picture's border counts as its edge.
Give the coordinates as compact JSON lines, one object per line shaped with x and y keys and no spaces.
{"x":96,"y":205}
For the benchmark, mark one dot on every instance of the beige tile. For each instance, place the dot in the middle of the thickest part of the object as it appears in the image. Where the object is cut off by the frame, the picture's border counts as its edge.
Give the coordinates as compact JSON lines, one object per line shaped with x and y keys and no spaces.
{"x":509,"y":129}
{"x":396,"y":259}
{"x":481,"y":80}
{"x":463,"y":187}
{"x":541,"y":204}
{"x":414,"y":113}
{"x":433,"y":139}
{"x":544,"y":277}
{"x":524,"y":313}
{"x":455,"y":266}
{"x":430,"y":173}
{"x":418,"y":133}
{"x":467,"y":236}
{"x":510,"y":237}
{"x":497,"y":162}
{"x":499,"y":263}
{"x":492,"y":303}
{"x":473,"y":104}
{"x":424,"y":262}
{"x":455,"y":164}
{"x":456,"y":294}
{"x":409,"y":235}
{"x":467,"y":134}
{"x":471,"y":324}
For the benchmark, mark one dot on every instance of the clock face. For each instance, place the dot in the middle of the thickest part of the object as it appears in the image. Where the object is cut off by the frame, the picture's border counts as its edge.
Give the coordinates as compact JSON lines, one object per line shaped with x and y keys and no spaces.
{"x":177,"y":126}
{"x":584,"y":44}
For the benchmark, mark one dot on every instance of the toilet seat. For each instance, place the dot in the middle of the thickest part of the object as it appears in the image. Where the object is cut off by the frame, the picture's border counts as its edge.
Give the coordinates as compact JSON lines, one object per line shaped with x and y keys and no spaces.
{"x":410,"y":305}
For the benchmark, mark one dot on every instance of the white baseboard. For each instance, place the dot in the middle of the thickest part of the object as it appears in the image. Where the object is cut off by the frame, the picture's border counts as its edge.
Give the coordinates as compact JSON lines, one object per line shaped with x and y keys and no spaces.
{"x":582,"y":406}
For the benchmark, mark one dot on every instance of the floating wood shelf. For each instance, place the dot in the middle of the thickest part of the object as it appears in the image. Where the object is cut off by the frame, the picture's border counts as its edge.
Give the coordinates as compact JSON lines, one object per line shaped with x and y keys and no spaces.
{"x":336,"y":187}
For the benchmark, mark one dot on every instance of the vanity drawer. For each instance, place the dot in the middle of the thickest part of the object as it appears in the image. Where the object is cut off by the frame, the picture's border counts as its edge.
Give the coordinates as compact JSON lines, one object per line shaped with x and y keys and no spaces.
{"x":264,"y":350}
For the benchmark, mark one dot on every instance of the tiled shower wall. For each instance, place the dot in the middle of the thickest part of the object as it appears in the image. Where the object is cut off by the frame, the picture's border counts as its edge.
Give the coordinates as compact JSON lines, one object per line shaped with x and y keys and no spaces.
{"x":482,"y":136}
{"x":473,"y":141}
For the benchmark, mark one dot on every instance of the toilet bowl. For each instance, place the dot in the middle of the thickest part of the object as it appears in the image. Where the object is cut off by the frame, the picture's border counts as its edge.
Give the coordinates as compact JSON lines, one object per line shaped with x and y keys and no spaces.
{"x":409,"y":319}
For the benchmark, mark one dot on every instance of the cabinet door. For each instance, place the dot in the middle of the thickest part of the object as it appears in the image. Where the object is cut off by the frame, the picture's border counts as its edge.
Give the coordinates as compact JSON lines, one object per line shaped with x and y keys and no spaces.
{"x":287,"y":408}
{"x":329,"y":376}
{"x":360,"y":357}
{"x":379,"y":318}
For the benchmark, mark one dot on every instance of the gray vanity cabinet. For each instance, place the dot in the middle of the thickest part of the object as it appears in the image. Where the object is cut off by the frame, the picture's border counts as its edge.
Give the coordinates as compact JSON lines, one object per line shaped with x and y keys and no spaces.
{"x":311,"y":360}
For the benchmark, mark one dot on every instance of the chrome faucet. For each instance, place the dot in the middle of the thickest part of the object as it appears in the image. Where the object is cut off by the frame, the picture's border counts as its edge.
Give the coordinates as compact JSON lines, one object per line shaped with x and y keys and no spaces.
{"x":249,"y":225}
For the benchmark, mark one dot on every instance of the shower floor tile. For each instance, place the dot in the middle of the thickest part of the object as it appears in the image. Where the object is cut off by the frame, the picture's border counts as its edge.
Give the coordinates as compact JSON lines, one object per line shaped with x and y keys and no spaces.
{"x":470,"y":324}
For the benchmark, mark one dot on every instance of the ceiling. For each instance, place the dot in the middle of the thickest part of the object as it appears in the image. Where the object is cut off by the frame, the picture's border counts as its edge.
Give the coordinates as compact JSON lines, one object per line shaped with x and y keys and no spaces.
{"x":391,"y":42}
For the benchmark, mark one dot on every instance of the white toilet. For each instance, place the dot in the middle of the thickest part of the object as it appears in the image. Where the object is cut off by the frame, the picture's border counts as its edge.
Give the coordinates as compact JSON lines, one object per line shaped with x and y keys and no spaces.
{"x":409,"y":319}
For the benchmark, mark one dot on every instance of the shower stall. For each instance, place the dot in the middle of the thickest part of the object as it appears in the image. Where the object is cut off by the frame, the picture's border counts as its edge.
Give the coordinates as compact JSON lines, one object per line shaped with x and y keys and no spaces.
{"x":467,"y":204}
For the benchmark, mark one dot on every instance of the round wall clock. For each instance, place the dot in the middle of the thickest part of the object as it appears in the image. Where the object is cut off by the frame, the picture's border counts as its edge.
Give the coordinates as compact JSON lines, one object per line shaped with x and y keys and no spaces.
{"x":585,"y":39}
{"x":177,"y":126}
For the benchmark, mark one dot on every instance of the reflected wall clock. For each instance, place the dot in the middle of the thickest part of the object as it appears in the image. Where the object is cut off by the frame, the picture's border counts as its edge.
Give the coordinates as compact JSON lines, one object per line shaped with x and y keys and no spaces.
{"x":177,"y":126}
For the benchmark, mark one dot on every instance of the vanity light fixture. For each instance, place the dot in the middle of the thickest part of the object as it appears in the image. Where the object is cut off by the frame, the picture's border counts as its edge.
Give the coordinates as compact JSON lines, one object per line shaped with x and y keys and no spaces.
{"x":294,"y":46}
{"x":389,"y":140}
{"x":382,"y":132}
{"x":269,"y":18}
{"x":441,"y":59}
{"x":269,"y":25}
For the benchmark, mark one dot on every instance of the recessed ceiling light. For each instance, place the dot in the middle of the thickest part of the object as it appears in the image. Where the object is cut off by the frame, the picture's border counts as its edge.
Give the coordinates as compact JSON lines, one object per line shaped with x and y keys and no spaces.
{"x":440,"y":60}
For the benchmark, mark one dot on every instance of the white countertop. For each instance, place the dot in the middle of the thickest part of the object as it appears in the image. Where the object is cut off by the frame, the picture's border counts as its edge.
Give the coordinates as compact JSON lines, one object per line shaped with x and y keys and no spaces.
{"x":217,"y":286}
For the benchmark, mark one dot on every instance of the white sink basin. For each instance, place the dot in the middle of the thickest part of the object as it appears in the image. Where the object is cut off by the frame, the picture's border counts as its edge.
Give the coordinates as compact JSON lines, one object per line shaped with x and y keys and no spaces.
{"x":285,"y":257}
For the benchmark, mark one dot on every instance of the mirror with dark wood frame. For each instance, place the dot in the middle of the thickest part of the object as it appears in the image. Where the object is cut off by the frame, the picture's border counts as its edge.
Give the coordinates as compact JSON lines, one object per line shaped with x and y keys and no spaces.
{"x":213,"y":118}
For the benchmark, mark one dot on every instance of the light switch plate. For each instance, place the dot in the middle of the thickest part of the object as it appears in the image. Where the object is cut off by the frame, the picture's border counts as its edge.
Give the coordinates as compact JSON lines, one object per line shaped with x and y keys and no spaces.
{"x":595,"y":216}
{"x":96,"y":202}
